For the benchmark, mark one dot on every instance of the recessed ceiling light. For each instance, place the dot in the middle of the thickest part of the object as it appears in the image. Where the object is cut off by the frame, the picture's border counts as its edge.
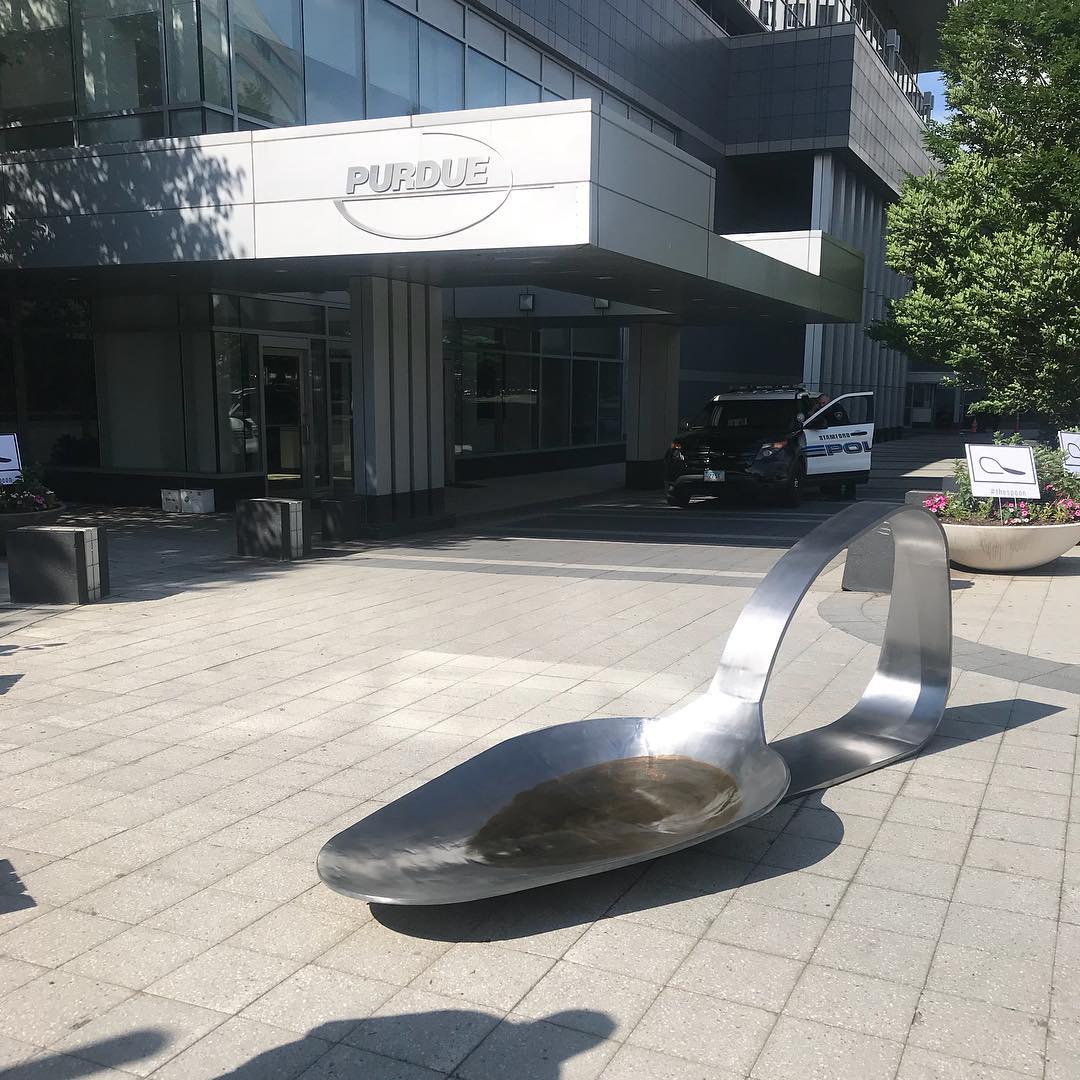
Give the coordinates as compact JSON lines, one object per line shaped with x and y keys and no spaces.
{"x":654,"y":290}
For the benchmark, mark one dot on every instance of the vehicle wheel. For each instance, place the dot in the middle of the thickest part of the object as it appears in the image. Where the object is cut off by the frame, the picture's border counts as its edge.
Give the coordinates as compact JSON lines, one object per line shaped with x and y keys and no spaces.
{"x":791,"y":492}
{"x":679,"y":498}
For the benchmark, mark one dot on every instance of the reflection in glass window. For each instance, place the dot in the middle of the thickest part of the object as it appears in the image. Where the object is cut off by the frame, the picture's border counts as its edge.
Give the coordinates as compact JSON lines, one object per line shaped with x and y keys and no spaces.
{"x":609,"y":411}
{"x":182,"y":51}
{"x":519,"y":90}
{"x":442,"y":71}
{"x":583,"y":403}
{"x":215,"y":53}
{"x":486,"y":82}
{"x":121,"y":128}
{"x":61,"y":389}
{"x":341,"y":415}
{"x":121,"y":54}
{"x":35,"y":60}
{"x":391,"y":61}
{"x":333,"y":71}
{"x":38,"y":136}
{"x":555,"y":402}
{"x":236,"y":375}
{"x":267,"y":53}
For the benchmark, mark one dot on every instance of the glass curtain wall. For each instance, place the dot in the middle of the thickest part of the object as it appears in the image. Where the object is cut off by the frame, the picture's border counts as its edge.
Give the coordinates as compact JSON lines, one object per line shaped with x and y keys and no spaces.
{"x":91,"y":71}
{"x":525,"y":390}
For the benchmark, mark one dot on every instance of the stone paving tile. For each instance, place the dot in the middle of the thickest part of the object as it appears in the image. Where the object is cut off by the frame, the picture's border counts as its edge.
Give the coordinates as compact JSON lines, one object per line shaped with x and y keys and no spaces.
{"x":804,"y":1050}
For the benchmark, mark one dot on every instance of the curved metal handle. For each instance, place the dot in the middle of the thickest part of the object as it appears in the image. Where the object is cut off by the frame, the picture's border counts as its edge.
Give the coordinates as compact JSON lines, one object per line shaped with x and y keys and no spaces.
{"x":905,"y":699}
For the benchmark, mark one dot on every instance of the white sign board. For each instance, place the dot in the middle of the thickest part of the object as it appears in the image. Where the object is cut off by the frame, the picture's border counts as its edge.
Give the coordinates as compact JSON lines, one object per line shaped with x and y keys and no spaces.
{"x":1002,"y":472}
{"x":1070,"y":447}
{"x":10,"y":462}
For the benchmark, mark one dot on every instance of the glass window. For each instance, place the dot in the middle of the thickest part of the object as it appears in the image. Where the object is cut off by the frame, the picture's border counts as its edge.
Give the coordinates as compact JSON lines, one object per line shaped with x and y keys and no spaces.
{"x":558,"y":78}
{"x":596,"y":341}
{"x":281,"y":315}
{"x":61,"y":391}
{"x":664,"y":132}
{"x":486,"y":83}
{"x":320,"y":416}
{"x":392,"y":53}
{"x":35,"y":60}
{"x":442,"y":71}
{"x":339,"y":322}
{"x":609,"y":412}
{"x":225,"y":310}
{"x":341,"y":415}
{"x":182,"y":51}
{"x":121,"y":129}
{"x":186,"y":122}
{"x":583,"y":403}
{"x":39,"y":136}
{"x":550,"y":95}
{"x":555,"y":402}
{"x":519,"y":90}
{"x":333,"y":68}
{"x":449,"y":15}
{"x":523,"y":58}
{"x":8,"y":417}
{"x":585,"y":89}
{"x":236,"y":376}
{"x":267,"y":54}
{"x":486,"y":36}
{"x":640,"y":118}
{"x":215,"y":54}
{"x":620,"y":106}
{"x":216,"y":121}
{"x":121,"y":54}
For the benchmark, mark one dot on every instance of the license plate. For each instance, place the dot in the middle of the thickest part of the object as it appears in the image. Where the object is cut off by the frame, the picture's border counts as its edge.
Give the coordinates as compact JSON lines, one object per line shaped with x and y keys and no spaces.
{"x":715,"y":475}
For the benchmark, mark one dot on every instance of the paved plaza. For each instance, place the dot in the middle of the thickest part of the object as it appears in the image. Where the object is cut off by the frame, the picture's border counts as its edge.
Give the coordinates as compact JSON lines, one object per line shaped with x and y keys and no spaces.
{"x":172,"y":760}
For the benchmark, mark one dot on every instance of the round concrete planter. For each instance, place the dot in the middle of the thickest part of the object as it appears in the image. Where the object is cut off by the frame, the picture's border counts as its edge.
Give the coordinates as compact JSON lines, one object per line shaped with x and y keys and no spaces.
{"x":1004,"y":548}
{"x":9,"y":522}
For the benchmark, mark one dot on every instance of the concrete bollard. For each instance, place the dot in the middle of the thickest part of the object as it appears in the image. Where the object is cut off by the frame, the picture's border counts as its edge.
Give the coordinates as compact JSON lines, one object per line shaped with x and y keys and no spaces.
{"x":58,"y":564}
{"x":273,"y":528}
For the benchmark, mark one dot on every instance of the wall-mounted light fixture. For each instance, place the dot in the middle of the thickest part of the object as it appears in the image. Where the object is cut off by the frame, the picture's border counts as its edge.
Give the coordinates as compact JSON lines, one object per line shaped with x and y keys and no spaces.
{"x":526,"y":301}
{"x":601,"y":303}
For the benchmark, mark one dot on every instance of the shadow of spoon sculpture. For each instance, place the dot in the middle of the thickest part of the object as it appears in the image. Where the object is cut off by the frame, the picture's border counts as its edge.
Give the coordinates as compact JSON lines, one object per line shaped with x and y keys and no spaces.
{"x":593,"y":795}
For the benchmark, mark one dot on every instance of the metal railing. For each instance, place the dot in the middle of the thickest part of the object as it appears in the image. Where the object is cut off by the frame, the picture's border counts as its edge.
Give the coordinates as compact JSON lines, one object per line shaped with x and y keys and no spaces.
{"x":799,"y":14}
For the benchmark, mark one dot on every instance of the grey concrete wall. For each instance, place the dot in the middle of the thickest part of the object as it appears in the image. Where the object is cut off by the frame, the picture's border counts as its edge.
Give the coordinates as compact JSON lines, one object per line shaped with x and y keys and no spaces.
{"x":840,"y":358}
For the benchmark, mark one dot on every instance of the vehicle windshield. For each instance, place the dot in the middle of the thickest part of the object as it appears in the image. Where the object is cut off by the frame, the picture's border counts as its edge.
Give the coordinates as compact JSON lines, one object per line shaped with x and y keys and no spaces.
{"x":735,"y":417}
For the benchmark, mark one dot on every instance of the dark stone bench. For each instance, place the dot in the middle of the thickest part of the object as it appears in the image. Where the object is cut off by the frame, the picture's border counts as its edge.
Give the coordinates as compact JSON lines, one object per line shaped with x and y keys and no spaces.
{"x":273,"y":528}
{"x":58,"y":564}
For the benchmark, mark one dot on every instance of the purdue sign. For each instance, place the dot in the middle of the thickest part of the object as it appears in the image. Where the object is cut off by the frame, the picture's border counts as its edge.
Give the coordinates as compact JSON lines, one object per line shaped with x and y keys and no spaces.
{"x":454,"y":183}
{"x":422,"y":176}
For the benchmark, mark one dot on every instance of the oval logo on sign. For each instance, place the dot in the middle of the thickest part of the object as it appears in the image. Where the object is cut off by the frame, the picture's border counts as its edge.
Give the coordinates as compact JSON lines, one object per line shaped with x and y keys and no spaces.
{"x":455,"y":182}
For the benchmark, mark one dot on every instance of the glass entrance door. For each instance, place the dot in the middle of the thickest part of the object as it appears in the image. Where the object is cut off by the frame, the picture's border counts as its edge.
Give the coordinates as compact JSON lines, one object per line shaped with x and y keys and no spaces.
{"x":294,"y":406}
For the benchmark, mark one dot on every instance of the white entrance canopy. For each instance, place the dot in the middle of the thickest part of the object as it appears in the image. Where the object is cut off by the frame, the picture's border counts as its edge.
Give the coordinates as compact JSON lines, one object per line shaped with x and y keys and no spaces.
{"x":561,"y":195}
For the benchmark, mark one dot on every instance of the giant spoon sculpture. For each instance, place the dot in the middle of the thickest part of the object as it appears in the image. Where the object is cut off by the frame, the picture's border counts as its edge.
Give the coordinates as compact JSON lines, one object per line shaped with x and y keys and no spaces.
{"x":590,"y":796}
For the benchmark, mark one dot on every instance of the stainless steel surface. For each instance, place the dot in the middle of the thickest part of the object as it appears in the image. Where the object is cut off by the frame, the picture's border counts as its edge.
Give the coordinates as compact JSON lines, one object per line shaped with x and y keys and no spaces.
{"x":585,"y":797}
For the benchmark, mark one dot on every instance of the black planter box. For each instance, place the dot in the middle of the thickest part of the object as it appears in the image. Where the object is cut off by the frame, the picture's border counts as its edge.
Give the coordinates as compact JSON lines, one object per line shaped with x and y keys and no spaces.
{"x":58,"y":564}
{"x":273,"y":528}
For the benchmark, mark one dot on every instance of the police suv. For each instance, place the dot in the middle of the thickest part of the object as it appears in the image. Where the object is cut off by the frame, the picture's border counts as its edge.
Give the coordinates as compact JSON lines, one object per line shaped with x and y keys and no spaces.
{"x":773,"y":439}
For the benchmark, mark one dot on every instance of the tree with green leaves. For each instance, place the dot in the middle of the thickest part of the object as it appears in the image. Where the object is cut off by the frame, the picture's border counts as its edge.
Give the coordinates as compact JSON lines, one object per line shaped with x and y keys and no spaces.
{"x":990,"y":239}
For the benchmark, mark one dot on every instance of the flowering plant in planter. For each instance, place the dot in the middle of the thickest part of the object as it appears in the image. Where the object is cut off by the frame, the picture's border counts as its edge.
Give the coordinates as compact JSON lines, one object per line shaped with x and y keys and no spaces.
{"x":1005,"y":535}
{"x":1060,"y":504}
{"x":26,"y":496}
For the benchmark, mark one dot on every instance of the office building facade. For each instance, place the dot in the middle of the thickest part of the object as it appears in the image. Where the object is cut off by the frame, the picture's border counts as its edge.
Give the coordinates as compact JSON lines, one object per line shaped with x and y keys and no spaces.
{"x":376,"y":245}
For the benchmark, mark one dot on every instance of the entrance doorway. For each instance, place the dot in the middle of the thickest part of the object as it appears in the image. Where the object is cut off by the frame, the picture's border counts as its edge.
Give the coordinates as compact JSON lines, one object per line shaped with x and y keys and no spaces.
{"x":295,"y":419}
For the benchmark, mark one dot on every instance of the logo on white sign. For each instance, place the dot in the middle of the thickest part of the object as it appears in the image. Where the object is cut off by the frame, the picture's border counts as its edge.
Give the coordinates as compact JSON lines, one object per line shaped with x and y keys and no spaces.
{"x":1002,"y":472}
{"x":10,"y":462}
{"x":1070,"y":447}
{"x":455,"y":182}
